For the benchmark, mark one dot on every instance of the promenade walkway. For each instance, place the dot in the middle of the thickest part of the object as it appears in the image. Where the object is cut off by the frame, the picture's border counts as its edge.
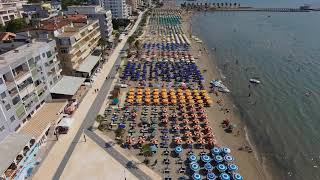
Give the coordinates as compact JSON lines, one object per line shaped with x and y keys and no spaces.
{"x":54,"y":164}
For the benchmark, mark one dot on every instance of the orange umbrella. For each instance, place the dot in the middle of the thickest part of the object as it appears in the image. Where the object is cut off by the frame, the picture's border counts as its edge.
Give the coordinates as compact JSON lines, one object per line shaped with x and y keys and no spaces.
{"x":212,"y":142}
{"x":188,"y":134}
{"x":199,"y":134}
{"x":147,"y":89}
{"x":178,"y":140}
{"x":176,"y":127}
{"x":186,"y":127}
{"x":188,"y":94}
{"x":130,"y":93}
{"x":189,"y":141}
{"x":201,"y":141}
{"x":182,"y":101}
{"x":191,"y":101}
{"x":165,"y":101}
{"x":180,"y":94}
{"x":156,"y":101}
{"x":154,"y":141}
{"x":173,"y":101}
{"x":200,"y":101}
{"x":172,"y":93}
{"x":130,"y":140}
{"x":179,"y":90}
{"x":196,"y":121}
{"x":131,"y":89}
{"x":210,"y":135}
{"x":198,"y":97}
{"x":141,"y":140}
{"x":147,"y":92}
{"x":197,"y":127}
{"x":155,"y":97}
{"x":185,"y":121}
{"x":173,"y":97}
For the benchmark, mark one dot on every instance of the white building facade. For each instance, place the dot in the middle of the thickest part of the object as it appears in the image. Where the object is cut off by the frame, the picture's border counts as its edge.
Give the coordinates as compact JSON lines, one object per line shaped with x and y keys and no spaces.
{"x":118,"y":8}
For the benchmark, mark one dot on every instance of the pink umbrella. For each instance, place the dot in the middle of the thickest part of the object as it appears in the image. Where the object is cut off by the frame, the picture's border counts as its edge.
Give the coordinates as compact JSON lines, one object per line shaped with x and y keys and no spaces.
{"x":130,"y":140}
{"x":141,"y":140}
{"x":204,"y":116}
{"x":185,"y":116}
{"x":210,"y":135}
{"x":165,"y":115}
{"x":192,"y":110}
{"x":212,"y":142}
{"x":199,"y":134}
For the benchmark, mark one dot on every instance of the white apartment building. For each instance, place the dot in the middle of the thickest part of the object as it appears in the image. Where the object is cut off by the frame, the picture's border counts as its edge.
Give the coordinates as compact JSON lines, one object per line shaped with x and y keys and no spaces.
{"x":9,"y":11}
{"x":27,"y":74}
{"x":96,"y":12}
{"x":118,"y":8}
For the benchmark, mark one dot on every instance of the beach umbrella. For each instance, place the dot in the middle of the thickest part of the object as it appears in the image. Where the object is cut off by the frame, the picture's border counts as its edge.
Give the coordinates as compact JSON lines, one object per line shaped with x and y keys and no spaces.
{"x":197,"y":127}
{"x":208,"y":167}
{"x":221,"y":167}
{"x":141,"y":140}
{"x":201,"y":141}
{"x":194,"y":166}
{"x":211,"y":176}
{"x":212,"y":141}
{"x":237,"y":176}
{"x":178,"y":149}
{"x":186,"y":127}
{"x":224,"y":176}
{"x":194,"y":116}
{"x":199,"y":101}
{"x":165,"y":120}
{"x":218,"y":159}
{"x":204,"y":116}
{"x":188,"y":134}
{"x":130,"y":140}
{"x":154,"y":141}
{"x":196,"y":176}
{"x":176,"y":127}
{"x":205,"y":158}
{"x":226,"y":150}
{"x":178,"y":140}
{"x":185,"y":121}
{"x":196,"y":121}
{"x":164,"y":109}
{"x":228,"y":158}
{"x":199,"y":134}
{"x":192,"y":158}
{"x":189,"y":141}
{"x":232,"y":167}
{"x":185,"y":115}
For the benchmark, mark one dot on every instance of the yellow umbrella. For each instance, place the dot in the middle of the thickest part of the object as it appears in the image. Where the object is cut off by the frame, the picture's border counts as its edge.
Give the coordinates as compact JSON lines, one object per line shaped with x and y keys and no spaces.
{"x":195,"y":94}
{"x":155,"y":90}
{"x":200,"y":101}
{"x":182,"y":101}
{"x":180,"y":94}
{"x":139,"y":92}
{"x":139,"y":101}
{"x":173,"y":97}
{"x":129,"y":100}
{"x":188,"y":90}
{"x":131,"y":90}
{"x":172,"y":94}
{"x":203,"y":91}
{"x":195,"y":91}
{"x":191,"y":101}
{"x":188,"y":93}
{"x":139,"y":97}
{"x":147,"y":92}
{"x":179,"y":90}
{"x":147,"y":89}
{"x":189,"y":97}
{"x":163,"y":90}
{"x":173,"y":101}
{"x":198,"y":97}
{"x":131,"y":93}
{"x":172,"y":91}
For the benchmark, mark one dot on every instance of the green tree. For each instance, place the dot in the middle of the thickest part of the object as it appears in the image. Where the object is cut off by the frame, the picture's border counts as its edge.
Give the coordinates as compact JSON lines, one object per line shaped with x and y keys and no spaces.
{"x":16,"y":25}
{"x":99,"y":119}
{"x":146,"y":150}
{"x":119,"y":132}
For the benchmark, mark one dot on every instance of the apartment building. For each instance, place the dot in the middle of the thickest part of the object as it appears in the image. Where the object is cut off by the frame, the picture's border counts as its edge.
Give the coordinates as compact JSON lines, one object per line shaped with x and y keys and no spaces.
{"x":76,"y":43}
{"x":133,"y":4}
{"x":9,"y":11}
{"x":96,"y":12}
{"x":27,"y":73}
{"x":41,"y":11}
{"x":118,"y":8}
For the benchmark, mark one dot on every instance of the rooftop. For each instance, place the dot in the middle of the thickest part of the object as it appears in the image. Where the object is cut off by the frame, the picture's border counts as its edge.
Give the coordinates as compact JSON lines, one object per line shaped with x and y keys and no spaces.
{"x":21,"y":51}
{"x":88,"y":64}
{"x":70,"y":31}
{"x":10,"y":148}
{"x":68,"y":85}
{"x":39,"y":123}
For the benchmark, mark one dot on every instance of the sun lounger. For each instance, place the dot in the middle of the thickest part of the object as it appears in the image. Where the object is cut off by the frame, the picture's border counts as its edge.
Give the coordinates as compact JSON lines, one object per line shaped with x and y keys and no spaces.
{"x":182,"y":170}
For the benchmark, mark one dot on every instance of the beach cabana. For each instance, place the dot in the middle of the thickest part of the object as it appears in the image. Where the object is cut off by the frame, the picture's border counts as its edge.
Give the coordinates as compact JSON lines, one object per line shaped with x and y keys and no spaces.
{"x":205,"y":158}
{"x":228,"y":158}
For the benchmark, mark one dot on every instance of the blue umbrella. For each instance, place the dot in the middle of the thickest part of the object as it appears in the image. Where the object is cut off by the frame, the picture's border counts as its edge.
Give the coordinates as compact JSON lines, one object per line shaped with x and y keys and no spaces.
{"x":192,"y":158}
{"x":224,"y":176}
{"x":178,"y":149}
{"x":232,"y":167}
{"x":237,"y":176}
{"x":221,"y":167}
{"x":208,"y":167}
{"x":205,"y":158}
{"x":196,"y":176}
{"x":228,"y":158}
{"x":226,"y":150}
{"x":194,"y":166}
{"x":211,"y":176}
{"x":218,"y":158}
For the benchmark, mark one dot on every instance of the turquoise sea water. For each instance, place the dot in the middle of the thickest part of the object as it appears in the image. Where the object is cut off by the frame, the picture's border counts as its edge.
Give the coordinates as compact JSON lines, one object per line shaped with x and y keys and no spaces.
{"x":283,"y":50}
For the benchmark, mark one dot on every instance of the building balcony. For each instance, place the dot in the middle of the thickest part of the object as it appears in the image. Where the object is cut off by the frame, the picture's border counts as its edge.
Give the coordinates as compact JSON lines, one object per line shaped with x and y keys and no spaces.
{"x":20,"y":111}
{"x":22,"y":75}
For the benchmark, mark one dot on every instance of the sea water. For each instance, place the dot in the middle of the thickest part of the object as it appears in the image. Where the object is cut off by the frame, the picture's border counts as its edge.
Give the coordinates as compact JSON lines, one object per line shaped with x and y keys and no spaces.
{"x":282,"y":50}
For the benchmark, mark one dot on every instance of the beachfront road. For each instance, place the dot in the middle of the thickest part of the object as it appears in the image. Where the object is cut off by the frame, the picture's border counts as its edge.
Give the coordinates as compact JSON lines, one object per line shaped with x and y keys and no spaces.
{"x":94,"y":110}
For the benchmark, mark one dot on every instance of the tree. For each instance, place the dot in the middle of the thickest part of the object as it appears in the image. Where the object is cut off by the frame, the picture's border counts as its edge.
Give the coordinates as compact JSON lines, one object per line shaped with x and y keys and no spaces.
{"x":99,"y":119}
{"x":146,"y":150}
{"x":119,"y":132}
{"x":102,"y":43}
{"x":16,"y":25}
{"x":131,"y":39}
{"x":2,"y":28}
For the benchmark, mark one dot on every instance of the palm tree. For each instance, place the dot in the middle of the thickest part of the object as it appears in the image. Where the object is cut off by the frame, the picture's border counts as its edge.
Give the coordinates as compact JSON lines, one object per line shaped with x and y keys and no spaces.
{"x":99,"y":119}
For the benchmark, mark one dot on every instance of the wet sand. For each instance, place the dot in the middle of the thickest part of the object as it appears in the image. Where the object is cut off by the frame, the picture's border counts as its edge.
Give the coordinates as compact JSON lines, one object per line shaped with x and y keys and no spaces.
{"x":249,"y":165}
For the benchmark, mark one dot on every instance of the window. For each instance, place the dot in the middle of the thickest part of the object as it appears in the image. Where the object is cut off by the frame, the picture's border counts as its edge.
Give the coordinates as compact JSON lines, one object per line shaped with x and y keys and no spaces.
{"x":64,"y":50}
{"x":3,"y":95}
{"x":12,"y":118}
{"x":2,"y":128}
{"x":49,"y":54}
{"x":1,"y":81}
{"x":8,"y":107}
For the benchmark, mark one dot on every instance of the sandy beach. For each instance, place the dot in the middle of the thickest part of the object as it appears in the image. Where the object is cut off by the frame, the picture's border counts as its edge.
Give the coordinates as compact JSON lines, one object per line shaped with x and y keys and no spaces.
{"x":250,"y":166}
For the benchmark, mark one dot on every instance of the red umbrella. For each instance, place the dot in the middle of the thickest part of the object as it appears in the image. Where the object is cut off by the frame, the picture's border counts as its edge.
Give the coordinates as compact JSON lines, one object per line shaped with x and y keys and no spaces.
{"x":212,"y":142}
{"x":197,"y":127}
{"x":141,"y":140}
{"x":188,"y":134}
{"x":189,"y":141}
{"x":201,"y":141}
{"x":204,"y":116}
{"x":165,"y":115}
{"x":130,"y":140}
{"x":154,"y":141}
{"x":199,"y":134}
{"x":178,"y":140}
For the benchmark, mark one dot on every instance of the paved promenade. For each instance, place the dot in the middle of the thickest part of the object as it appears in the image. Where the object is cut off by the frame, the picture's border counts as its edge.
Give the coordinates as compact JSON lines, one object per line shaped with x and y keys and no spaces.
{"x":54,"y":164}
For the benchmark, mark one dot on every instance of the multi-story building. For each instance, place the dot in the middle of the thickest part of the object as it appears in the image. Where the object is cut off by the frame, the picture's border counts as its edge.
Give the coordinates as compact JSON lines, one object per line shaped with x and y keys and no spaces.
{"x":27,"y":74}
{"x":133,"y":4}
{"x":76,"y":43}
{"x":118,"y":8}
{"x":9,"y":11}
{"x":97,"y":12}
{"x":41,"y":11}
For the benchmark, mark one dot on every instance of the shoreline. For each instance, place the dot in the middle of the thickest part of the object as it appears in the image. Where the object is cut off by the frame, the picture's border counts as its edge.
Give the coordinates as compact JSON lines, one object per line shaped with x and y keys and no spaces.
{"x":251,"y":165}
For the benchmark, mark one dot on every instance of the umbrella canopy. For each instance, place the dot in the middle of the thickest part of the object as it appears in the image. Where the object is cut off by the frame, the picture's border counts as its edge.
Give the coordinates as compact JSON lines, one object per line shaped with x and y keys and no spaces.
{"x":221,"y":167}
{"x":226,"y":150}
{"x":237,"y":176}
{"x":205,"y":158}
{"x":196,"y":176}
{"x":228,"y":158}
{"x":201,"y":141}
{"x":233,"y":167}
{"x":178,"y":140}
{"x":130,"y":140}
{"x":192,"y":158}
{"x":194,"y":166}
{"x":224,"y":176}
{"x":211,"y":176}
{"x":197,"y":127}
{"x":188,"y":134}
{"x":178,"y":149}
{"x":154,"y":141}
{"x":218,"y":158}
{"x":208,"y":167}
{"x":176,"y":127}
{"x":189,"y":141}
{"x":141,"y":140}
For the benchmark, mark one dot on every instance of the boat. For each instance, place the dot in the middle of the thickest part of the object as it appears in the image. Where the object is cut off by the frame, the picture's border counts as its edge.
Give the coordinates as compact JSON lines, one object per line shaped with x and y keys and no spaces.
{"x":221,"y":87}
{"x":255,"y":81}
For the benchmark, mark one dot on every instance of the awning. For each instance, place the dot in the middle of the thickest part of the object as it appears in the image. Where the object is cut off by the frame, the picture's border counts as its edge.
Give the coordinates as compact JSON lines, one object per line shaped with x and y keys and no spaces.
{"x":65,"y":122}
{"x":68,"y":85}
{"x":42,"y":119}
{"x":10,"y":147}
{"x":88,"y":64}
